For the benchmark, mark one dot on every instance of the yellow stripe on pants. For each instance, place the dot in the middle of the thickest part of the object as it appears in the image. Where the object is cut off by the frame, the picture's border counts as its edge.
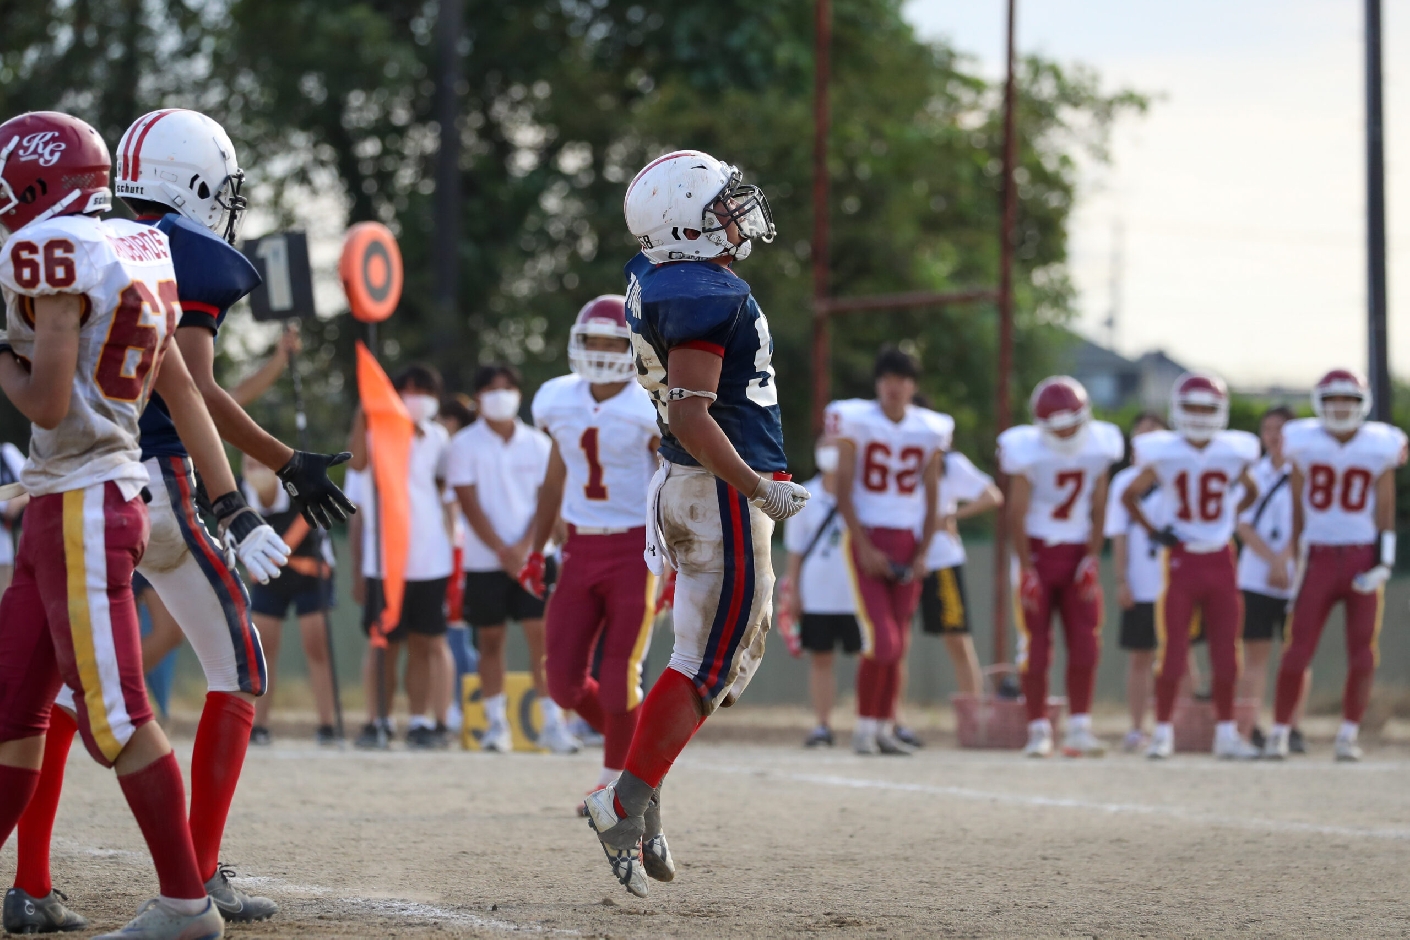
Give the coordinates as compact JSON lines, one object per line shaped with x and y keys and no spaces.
{"x":81,"y":625}
{"x":868,"y":629}
{"x":643,"y":643}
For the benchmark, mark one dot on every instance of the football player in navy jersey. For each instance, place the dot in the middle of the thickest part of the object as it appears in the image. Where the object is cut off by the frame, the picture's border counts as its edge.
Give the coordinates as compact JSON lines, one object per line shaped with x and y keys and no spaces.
{"x":177,"y":171}
{"x":703,"y":353}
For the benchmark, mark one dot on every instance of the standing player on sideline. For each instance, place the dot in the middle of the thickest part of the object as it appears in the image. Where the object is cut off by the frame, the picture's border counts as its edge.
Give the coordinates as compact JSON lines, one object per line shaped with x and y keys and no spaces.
{"x":889,"y":457}
{"x":177,"y":171}
{"x":604,"y":435}
{"x":965,"y":492}
{"x":1197,"y":466}
{"x":91,"y":307}
{"x":1343,"y":478}
{"x":703,"y":352}
{"x":1057,"y":504}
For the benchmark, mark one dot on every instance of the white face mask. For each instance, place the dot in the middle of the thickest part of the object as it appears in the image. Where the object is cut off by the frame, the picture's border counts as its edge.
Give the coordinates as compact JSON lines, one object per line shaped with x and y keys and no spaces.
{"x":500,"y":404}
{"x":825,"y":456}
{"x":422,"y":408}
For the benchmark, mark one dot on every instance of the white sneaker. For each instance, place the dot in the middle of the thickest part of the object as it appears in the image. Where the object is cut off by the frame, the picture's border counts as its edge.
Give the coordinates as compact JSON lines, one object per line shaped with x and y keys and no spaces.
{"x":864,"y":742}
{"x":1347,"y":750}
{"x":626,"y":863}
{"x":497,"y":739}
{"x":454,"y":717}
{"x":1135,"y":740}
{"x":1040,"y":741}
{"x":1275,"y":745}
{"x":1162,"y":746}
{"x":887,"y":743}
{"x":555,"y":737}
{"x":1081,"y":742}
{"x":1235,"y":748}
{"x":156,"y":921}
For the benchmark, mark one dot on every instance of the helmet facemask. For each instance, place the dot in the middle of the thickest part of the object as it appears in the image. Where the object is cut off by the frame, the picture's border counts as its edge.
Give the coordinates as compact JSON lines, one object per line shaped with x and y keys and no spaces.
{"x":1341,"y":411}
{"x":746,"y":206}
{"x":232,"y":207}
{"x":600,"y":367}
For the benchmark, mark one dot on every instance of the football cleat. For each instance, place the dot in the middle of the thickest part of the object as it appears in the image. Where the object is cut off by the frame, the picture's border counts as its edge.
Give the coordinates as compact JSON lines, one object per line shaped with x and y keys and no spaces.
{"x":1347,"y":750}
{"x":235,"y":905}
{"x":907,"y":736}
{"x":582,"y":804}
{"x":156,"y":921}
{"x":888,"y":744}
{"x":1234,"y":747}
{"x":1297,"y":744}
{"x":555,"y":737}
{"x":1081,"y":742}
{"x":497,"y":739}
{"x":620,"y":839}
{"x":1162,"y":746}
{"x":1040,"y":741}
{"x":1275,"y":745}
{"x":864,"y":742}
{"x":25,"y":913}
{"x":655,"y":853}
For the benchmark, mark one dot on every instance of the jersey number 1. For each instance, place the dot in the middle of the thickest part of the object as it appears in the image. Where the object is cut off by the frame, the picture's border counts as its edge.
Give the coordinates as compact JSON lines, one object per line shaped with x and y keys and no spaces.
{"x":594,"y":489}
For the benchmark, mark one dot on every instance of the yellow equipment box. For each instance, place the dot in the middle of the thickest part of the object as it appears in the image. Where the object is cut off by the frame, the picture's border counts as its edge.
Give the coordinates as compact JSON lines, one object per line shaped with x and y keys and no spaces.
{"x":521,"y":707}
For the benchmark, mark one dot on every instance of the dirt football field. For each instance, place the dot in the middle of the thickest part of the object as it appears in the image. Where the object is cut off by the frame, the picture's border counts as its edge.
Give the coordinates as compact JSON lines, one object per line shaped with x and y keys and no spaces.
{"x":774,"y":841}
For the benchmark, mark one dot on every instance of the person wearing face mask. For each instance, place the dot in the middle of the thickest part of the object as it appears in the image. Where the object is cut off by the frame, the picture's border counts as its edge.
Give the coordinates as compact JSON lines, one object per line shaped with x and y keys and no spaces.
{"x":1057,"y":504}
{"x":306,"y":585}
{"x":819,"y":590}
{"x":422,"y":627}
{"x":496,"y":466}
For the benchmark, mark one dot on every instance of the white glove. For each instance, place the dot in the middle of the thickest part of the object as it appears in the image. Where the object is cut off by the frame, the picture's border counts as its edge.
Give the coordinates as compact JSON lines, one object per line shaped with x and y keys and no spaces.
{"x":254,"y":541}
{"x":779,"y":499}
{"x":1367,"y":582}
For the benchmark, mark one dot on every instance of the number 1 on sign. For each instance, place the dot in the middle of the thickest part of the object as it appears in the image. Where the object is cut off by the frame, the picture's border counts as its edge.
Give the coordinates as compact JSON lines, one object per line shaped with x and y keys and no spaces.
{"x":274,"y":252}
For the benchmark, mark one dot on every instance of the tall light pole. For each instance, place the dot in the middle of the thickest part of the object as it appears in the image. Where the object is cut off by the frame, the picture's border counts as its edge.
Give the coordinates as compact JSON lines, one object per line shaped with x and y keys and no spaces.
{"x":1379,"y":365}
{"x":822,"y":353}
{"x":1004,"y":379}
{"x":446,"y":211}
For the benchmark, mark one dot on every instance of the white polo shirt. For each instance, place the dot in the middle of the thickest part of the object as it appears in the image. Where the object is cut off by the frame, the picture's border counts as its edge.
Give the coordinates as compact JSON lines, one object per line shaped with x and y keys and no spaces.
{"x":428,"y":554}
{"x":506,"y":476}
{"x":963,"y":482}
{"x":826,"y":583}
{"x":1143,"y":565}
{"x":1271,"y":516}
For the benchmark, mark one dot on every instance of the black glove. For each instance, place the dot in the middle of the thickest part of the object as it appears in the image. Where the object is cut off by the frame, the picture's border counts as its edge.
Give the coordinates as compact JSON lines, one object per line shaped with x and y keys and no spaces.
{"x":305,"y":478}
{"x":1166,"y":537}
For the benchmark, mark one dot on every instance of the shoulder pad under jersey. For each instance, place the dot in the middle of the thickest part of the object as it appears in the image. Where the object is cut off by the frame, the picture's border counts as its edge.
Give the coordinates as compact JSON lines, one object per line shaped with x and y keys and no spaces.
{"x":636,"y":401}
{"x":689,"y":299}
{"x":1155,"y":445}
{"x":942,"y":424}
{"x":841,"y":417}
{"x":1108,"y":441}
{"x":1300,"y":433}
{"x":210,"y":275}
{"x":75,"y":265}
{"x":1386,"y":441}
{"x":1242,"y":444}
{"x":1018,"y":448}
{"x":550,"y":395}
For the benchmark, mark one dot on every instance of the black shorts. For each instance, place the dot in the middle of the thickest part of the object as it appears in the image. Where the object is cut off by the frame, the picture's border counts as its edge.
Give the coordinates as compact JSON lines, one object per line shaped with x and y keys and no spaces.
{"x":307,"y":595}
{"x":820,"y":633}
{"x":1264,"y":616}
{"x":423,"y":608}
{"x":493,"y":598}
{"x":1138,"y":628}
{"x":943,"y":608}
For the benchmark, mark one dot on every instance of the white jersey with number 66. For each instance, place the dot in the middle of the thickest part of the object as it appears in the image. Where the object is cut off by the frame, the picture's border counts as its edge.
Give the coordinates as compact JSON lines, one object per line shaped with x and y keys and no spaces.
{"x":123,"y":272}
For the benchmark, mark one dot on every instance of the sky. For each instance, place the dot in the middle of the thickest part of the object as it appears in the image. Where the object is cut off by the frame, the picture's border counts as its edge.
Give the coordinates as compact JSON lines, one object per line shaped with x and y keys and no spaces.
{"x":1238,"y":201}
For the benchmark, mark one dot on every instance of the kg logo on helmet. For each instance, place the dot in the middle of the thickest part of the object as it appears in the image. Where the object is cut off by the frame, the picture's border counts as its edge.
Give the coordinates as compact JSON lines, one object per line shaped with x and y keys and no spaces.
{"x":43,"y":146}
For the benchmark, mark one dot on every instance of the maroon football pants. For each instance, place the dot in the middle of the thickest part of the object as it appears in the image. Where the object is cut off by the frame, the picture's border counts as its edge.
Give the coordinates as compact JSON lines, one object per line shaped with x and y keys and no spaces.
{"x":1081,"y":628}
{"x":1207,"y":582}
{"x":885,"y":607}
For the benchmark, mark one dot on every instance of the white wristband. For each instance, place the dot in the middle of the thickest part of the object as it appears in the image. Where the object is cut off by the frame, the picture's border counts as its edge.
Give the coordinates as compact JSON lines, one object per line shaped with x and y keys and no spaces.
{"x":680,"y":394}
{"x":1388,"y":549}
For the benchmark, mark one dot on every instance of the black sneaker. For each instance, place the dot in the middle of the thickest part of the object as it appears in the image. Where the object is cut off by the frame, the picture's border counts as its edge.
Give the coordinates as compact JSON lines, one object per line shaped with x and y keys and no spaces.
{"x":1297,"y":744}
{"x":327,"y":736}
{"x":372,"y":737}
{"x":442,"y":735}
{"x":421,"y":739}
{"x":907,"y":736}
{"x":27,"y":914}
{"x":259,"y":736}
{"x":1256,"y":738}
{"x":821,"y":737}
{"x":235,"y":905}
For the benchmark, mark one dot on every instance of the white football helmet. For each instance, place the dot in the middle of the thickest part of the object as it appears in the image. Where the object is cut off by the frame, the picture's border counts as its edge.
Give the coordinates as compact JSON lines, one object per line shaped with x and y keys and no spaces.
{"x":676,"y":193}
{"x":184,"y":160}
{"x":601,"y":316}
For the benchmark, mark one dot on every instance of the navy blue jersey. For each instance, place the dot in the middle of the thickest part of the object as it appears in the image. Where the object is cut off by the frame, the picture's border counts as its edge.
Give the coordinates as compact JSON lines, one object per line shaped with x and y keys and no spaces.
{"x":702,"y":305}
{"x":210,"y":277}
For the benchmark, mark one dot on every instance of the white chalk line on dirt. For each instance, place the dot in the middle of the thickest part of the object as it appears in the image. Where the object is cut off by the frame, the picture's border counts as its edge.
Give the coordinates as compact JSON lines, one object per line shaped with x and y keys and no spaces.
{"x":385,"y":907}
{"x":1051,"y":802}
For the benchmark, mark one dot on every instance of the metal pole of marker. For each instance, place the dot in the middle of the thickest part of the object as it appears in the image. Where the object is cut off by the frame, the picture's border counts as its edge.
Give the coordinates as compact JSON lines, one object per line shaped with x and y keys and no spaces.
{"x":316,"y":537}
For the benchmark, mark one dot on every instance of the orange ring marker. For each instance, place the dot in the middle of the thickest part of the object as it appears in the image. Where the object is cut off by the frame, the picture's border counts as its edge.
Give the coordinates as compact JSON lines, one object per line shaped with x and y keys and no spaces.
{"x":370,"y":268}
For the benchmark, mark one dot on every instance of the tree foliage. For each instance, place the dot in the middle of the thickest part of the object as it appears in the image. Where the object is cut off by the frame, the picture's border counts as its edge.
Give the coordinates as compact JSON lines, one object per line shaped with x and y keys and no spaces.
{"x":561,"y":101}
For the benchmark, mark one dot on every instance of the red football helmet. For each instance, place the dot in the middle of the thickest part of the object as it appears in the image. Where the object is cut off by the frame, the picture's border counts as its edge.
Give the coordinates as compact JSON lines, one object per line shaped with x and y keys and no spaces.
{"x":1341,"y":416}
{"x":1199,"y":391}
{"x":51,"y":164}
{"x":602,"y":316}
{"x":1059,"y":404}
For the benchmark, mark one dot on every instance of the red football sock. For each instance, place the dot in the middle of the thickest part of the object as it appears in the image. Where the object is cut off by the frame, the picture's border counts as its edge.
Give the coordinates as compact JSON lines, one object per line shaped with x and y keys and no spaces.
{"x":890,"y":694}
{"x":222,"y":738}
{"x":617,"y":737}
{"x":16,"y":787}
{"x":1081,"y":681}
{"x":158,"y":803}
{"x":36,"y":826}
{"x":589,"y":709}
{"x":1223,"y":688}
{"x":669,"y":718}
